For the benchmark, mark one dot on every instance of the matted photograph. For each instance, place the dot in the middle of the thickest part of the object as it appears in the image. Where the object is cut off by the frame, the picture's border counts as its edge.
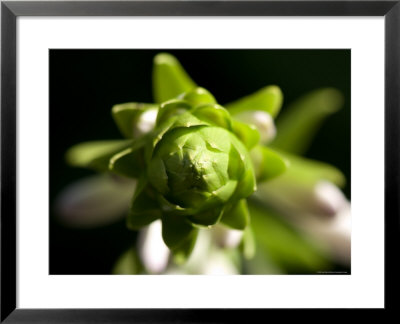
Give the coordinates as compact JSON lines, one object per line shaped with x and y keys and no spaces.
{"x":200,"y":161}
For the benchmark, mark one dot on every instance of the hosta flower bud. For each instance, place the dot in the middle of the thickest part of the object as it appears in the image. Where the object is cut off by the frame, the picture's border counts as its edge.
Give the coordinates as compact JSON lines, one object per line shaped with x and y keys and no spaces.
{"x":197,"y":170}
{"x":196,"y":165}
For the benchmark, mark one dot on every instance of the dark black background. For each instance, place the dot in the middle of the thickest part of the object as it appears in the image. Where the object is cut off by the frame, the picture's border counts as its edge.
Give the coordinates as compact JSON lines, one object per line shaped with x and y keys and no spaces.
{"x":85,"y":84}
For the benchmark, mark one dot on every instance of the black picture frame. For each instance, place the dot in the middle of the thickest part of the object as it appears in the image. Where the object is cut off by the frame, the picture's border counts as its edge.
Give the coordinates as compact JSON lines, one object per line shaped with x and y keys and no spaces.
{"x":11,"y":10}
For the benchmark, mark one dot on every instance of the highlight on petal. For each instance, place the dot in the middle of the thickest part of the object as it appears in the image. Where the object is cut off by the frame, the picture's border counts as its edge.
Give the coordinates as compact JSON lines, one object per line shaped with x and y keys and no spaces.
{"x":263,"y":122}
{"x":145,"y":122}
{"x":95,"y":201}
{"x":134,"y":119}
{"x":199,"y":96}
{"x":153,"y":252}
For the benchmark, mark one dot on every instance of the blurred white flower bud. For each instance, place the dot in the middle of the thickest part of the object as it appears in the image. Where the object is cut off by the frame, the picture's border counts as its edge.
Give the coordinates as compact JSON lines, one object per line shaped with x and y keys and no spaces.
{"x":95,"y":201}
{"x":152,"y":250}
{"x":321,"y":198}
{"x":219,"y":263}
{"x":333,"y":233}
{"x":320,"y":210}
{"x":262,"y":120}
{"x":226,"y":237}
{"x":328,"y":198}
{"x":146,"y":122}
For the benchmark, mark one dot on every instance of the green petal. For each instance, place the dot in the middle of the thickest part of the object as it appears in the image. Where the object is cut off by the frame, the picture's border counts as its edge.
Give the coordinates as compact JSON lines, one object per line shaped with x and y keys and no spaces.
{"x":169,"y":208}
{"x":207,"y":218}
{"x":171,"y":108}
{"x":248,"y":134}
{"x":247,"y":181}
{"x":301,"y":120}
{"x":214,"y":115}
{"x":236,"y":164}
{"x":225,"y":192}
{"x":247,"y":185}
{"x":127,"y":115}
{"x":156,"y":136}
{"x":144,"y":208}
{"x":95,"y":155}
{"x":129,"y":162}
{"x":169,"y":78}
{"x":157,"y":175}
{"x":198,"y":96}
{"x":183,"y":251}
{"x":175,"y":230}
{"x":268,"y":99}
{"x":267,"y":163}
{"x":238,"y":216}
{"x":248,"y":244}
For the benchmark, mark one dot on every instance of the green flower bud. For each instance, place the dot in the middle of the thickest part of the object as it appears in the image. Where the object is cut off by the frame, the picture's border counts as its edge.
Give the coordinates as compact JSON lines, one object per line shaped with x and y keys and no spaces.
{"x":196,"y":164}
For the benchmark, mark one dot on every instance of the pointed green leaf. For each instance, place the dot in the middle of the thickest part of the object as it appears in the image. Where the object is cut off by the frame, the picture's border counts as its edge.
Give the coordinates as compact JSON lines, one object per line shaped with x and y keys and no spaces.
{"x":169,"y":78}
{"x":128,"y":115}
{"x":247,"y":181}
{"x":144,"y":208}
{"x":248,"y":243}
{"x":301,"y":120}
{"x":268,"y":99}
{"x":127,"y":163}
{"x":183,"y":251}
{"x":198,"y":96}
{"x":248,"y":134}
{"x":95,"y":155}
{"x":267,"y":163}
{"x":175,"y":230}
{"x":238,"y":216}
{"x":307,"y":170}
{"x":236,"y":165}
